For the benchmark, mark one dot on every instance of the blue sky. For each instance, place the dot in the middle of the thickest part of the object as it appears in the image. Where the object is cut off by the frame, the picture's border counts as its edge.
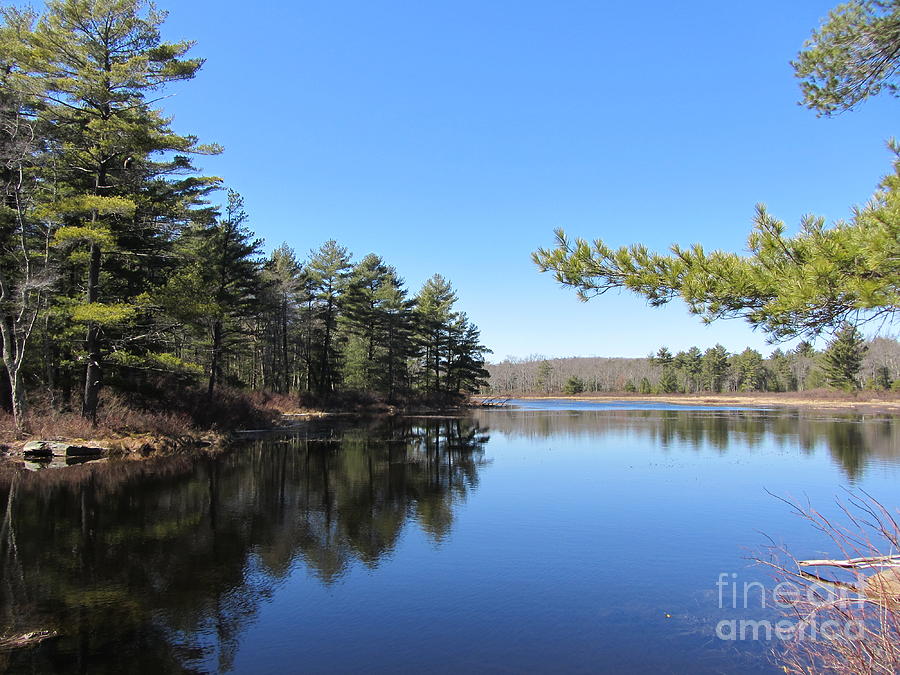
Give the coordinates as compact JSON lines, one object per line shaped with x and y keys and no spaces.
{"x":452,"y":137}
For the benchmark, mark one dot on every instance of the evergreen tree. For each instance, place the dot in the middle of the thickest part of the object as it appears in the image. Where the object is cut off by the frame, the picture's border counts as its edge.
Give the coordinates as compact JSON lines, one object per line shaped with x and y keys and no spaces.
{"x":328,"y":270}
{"x":787,"y":286}
{"x":715,"y":367}
{"x":645,"y":387}
{"x":854,"y":54}
{"x":217,"y":288}
{"x":574,"y":385}
{"x":434,"y":313}
{"x":668,"y":381}
{"x":663,"y":357}
{"x":842,"y":359}
{"x":363,"y":313}
{"x":780,"y":367}
{"x":284,"y":290}
{"x":98,"y":61}
{"x":398,"y":326}
{"x":465,"y":357}
{"x":803,"y":362}
{"x":544,"y":380}
{"x":750,"y":370}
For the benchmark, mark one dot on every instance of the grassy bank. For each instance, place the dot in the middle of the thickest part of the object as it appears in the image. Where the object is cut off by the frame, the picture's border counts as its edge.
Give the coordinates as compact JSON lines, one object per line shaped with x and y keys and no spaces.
{"x":160,"y":424}
{"x":865,"y":401}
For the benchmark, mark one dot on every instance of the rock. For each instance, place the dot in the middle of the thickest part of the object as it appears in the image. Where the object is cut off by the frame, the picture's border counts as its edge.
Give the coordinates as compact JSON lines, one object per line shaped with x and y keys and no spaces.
{"x":83,"y":451}
{"x":59,"y":449}
{"x":44,"y":449}
{"x":41,"y":463}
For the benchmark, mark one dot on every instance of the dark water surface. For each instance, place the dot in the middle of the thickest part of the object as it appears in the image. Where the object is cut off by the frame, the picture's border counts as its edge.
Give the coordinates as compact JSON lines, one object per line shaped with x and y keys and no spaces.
{"x":512,"y":540}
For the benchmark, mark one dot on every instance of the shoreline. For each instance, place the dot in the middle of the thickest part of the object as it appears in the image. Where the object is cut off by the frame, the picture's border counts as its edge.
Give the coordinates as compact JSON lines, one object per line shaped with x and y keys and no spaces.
{"x":836,"y":401}
{"x":138,"y":446}
{"x":144,"y":445}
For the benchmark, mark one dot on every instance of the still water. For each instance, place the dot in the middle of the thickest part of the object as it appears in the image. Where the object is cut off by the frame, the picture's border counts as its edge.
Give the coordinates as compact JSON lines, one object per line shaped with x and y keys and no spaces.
{"x":546,"y":537}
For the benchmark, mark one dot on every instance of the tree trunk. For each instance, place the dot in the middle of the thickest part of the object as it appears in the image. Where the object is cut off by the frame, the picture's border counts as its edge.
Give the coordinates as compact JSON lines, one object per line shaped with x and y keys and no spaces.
{"x":215,"y":365}
{"x":93,"y":372}
{"x":390,"y":358}
{"x":285,"y":361}
{"x":18,"y":399}
{"x":93,"y":375}
{"x":5,"y":392}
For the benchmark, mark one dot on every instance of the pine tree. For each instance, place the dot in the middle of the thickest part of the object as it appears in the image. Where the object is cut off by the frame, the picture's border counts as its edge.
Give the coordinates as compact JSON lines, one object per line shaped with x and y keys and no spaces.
{"x":544,"y":380}
{"x":398,"y":324}
{"x":780,"y":365}
{"x":786,"y":285}
{"x":361,"y":307}
{"x":218,"y":285}
{"x":803,"y":361}
{"x":715,"y":367}
{"x":328,"y":270}
{"x":842,"y":360}
{"x":663,"y":357}
{"x":574,"y":385}
{"x":750,"y":370}
{"x":434,"y":312}
{"x":98,"y":61}
{"x":284,"y":292}
{"x":668,"y":381}
{"x":465,"y":357}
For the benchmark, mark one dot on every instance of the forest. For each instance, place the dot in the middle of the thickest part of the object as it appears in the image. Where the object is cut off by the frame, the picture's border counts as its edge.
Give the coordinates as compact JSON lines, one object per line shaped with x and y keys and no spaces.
{"x":847,"y":363}
{"x":126,"y":272}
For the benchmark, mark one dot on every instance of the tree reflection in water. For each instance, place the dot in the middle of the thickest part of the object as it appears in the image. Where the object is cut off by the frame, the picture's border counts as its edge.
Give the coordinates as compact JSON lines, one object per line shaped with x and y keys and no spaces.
{"x":852,"y":439}
{"x":160,"y":565}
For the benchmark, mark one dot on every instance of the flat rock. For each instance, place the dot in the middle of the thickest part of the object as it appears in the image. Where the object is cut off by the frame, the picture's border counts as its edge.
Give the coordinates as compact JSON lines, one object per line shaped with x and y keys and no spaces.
{"x":42,"y":463}
{"x":60,"y":449}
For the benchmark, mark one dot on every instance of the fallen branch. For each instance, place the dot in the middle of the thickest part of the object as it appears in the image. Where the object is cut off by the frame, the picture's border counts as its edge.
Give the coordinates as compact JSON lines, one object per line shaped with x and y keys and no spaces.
{"x":29,"y":639}
{"x":877,"y":561}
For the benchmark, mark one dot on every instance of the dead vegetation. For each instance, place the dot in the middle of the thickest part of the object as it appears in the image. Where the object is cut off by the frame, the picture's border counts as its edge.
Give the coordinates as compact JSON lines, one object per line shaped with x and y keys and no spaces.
{"x":131,"y":424}
{"x":846,"y":608}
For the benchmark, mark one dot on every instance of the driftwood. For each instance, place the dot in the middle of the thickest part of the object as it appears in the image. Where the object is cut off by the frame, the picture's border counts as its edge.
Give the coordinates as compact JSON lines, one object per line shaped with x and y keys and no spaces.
{"x":876,"y":561}
{"x":492,"y":401}
{"x":24,"y":640}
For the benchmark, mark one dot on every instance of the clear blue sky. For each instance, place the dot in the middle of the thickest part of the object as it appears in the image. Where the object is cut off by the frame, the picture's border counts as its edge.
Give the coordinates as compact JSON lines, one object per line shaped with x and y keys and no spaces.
{"x":453,"y":137}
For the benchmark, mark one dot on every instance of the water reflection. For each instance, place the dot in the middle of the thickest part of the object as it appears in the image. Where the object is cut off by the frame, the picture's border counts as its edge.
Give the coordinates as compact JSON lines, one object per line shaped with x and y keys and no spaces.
{"x":159,"y":566}
{"x":854,"y":440}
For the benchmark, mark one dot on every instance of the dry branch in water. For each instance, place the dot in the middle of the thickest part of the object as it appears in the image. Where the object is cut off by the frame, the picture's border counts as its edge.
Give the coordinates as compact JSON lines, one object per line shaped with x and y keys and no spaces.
{"x":25,"y":640}
{"x":849,"y":620}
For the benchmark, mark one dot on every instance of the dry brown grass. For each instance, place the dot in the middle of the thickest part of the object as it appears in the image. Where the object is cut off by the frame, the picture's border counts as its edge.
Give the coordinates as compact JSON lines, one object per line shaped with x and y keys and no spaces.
{"x":131,"y":423}
{"x":866,"y":400}
{"x":862,"y":599}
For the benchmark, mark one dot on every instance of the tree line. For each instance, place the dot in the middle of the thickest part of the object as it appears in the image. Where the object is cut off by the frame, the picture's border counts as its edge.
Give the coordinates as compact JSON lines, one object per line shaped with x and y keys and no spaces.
{"x":117,"y":266}
{"x":848,"y":362}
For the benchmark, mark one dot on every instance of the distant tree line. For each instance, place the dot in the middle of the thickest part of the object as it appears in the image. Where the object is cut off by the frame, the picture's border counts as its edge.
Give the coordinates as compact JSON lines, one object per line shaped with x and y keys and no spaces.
{"x":848,"y":362}
{"x":117,"y":266}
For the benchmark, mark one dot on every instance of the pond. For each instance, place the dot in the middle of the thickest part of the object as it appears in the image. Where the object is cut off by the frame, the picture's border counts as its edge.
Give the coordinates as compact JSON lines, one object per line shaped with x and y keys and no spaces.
{"x":543,"y":537}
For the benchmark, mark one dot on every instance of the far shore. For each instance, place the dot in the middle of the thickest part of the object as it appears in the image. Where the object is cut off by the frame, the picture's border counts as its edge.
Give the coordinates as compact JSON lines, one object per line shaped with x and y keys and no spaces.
{"x":862,"y":401}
